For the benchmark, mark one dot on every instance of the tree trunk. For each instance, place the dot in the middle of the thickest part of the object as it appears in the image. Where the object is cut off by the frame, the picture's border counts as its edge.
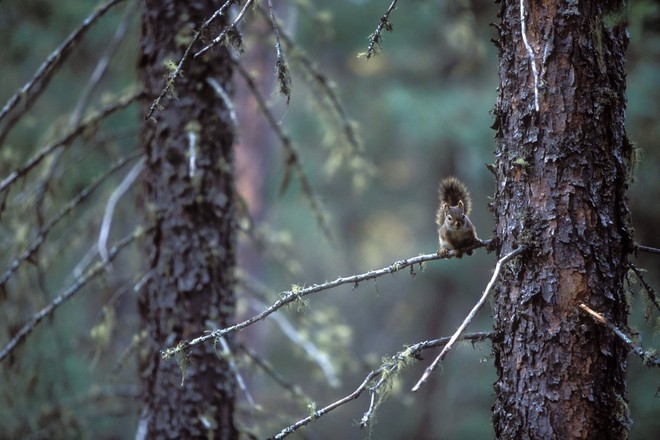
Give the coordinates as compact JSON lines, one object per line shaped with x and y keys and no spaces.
{"x":562,"y":173}
{"x":191,"y":257}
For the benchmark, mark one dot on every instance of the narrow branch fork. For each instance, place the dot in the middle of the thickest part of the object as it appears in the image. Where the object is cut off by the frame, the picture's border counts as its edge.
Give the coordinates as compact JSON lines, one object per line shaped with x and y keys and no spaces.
{"x":468,"y":319}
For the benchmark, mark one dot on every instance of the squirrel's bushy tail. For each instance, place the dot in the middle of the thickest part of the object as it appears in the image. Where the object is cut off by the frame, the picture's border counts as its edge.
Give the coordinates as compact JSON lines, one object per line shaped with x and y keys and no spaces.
{"x":452,"y":190}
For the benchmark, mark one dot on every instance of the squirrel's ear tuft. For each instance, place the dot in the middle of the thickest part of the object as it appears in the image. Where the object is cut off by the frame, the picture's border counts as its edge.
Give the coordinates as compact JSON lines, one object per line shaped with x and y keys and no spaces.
{"x":460,"y":204}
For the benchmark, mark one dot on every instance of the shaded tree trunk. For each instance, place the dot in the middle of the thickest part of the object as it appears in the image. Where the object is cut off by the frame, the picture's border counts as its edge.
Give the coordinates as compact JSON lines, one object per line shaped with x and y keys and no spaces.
{"x":190,"y":200}
{"x":561,"y":191}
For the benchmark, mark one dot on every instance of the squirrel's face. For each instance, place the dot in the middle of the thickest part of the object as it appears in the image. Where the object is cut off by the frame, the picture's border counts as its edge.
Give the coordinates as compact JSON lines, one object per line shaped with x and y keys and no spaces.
{"x":455,"y":219}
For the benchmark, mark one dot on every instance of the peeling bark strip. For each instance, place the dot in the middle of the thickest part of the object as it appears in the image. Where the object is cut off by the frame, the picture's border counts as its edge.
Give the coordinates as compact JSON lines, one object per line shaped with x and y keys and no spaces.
{"x":190,"y":200}
{"x":561,"y":191}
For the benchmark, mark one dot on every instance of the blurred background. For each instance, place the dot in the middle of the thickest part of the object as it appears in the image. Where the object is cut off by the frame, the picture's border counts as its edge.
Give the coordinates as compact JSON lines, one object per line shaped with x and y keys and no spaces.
{"x":422,"y":110}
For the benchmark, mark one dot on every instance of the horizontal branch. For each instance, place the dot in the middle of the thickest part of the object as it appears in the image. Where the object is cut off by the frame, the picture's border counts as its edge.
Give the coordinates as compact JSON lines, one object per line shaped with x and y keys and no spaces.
{"x":387,"y":369}
{"x":649,"y":249}
{"x":297,"y":293}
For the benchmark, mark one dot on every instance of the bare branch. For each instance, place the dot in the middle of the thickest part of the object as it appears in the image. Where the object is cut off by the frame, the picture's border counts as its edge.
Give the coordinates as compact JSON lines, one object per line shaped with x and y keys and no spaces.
{"x":125,"y":184}
{"x":324,"y":84}
{"x":647,"y":357}
{"x":83,"y":101}
{"x":103,"y":63}
{"x":468,"y":319}
{"x":649,"y":249}
{"x":387,"y":369}
{"x":298,"y":292}
{"x":226,"y":99}
{"x":28,"y":93}
{"x":92,"y":273}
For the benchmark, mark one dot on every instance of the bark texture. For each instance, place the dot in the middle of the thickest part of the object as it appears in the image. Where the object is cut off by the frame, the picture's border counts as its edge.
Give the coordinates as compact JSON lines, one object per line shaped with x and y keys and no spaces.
{"x":561,"y":190}
{"x":191,"y":256}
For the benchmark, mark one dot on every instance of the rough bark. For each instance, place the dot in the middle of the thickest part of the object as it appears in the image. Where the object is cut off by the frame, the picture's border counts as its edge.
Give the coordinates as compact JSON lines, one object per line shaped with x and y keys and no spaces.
{"x":191,"y":256}
{"x":561,"y":191}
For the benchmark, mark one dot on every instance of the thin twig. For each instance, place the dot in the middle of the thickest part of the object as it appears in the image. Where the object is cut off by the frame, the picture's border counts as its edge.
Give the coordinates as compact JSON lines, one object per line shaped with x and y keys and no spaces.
{"x":498,"y":267}
{"x":650,"y":291}
{"x":226,"y":100}
{"x":649,"y":249}
{"x":401,"y":358}
{"x":28,"y":93}
{"x":647,"y":357}
{"x":225,"y":31}
{"x":274,"y":374}
{"x":319,"y":357}
{"x":121,"y":189}
{"x":283,"y":75}
{"x":32,"y":323}
{"x":229,"y":357}
{"x":376,"y":38}
{"x":321,"y":80}
{"x":171,"y":78}
{"x":103,"y":63}
{"x":83,"y":101}
{"x":293,"y":162}
{"x":297,"y":293}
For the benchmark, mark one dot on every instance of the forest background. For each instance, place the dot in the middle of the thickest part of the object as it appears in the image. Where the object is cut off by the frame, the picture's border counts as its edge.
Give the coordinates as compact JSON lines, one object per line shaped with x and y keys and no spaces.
{"x":423,"y":111}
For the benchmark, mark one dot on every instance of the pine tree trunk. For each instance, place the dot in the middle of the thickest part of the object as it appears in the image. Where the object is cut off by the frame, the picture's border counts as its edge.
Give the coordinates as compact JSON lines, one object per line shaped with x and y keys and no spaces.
{"x":561,"y":191}
{"x":190,"y":200}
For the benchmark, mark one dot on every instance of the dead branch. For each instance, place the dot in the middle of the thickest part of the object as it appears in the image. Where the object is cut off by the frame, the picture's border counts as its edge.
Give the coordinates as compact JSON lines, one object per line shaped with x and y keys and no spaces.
{"x":468,"y":319}
{"x":647,"y":357}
